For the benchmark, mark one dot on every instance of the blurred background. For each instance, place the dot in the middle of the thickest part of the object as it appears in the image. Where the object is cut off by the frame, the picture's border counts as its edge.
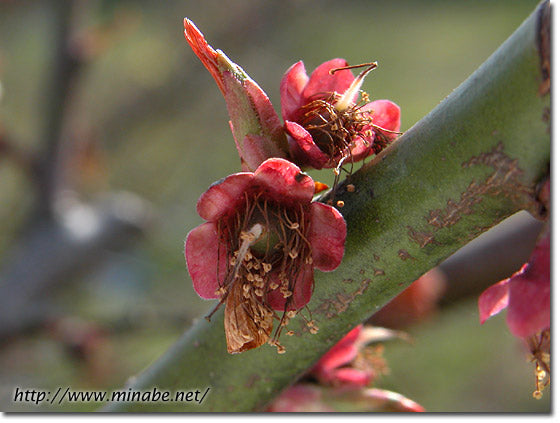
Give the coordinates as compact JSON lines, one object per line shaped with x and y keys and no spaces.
{"x":110,"y":129}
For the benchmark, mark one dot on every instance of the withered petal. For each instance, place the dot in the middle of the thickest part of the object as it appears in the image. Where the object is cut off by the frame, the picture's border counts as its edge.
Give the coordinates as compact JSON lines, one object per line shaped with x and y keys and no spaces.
{"x":247,"y":323}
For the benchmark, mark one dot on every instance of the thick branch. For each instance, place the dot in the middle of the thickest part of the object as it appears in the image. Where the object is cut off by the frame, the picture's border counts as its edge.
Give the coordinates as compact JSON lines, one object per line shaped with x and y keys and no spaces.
{"x":473,"y":161}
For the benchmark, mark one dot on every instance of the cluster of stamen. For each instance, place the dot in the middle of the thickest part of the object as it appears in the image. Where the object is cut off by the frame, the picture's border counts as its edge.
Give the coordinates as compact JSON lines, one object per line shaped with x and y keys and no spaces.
{"x":267,"y":251}
{"x":539,"y":346}
{"x":335,"y":131}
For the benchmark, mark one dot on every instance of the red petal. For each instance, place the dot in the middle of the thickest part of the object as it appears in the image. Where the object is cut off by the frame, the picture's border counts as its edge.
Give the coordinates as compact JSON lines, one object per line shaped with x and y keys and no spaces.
{"x":385,"y":113}
{"x":322,"y":82}
{"x":202,"y":250}
{"x":203,"y":50}
{"x":302,"y":147}
{"x":301,"y":294}
{"x":327,"y":235}
{"x":360,"y":150}
{"x":493,"y":300}
{"x":294,"y":81}
{"x":284,"y":182}
{"x":529,"y":294}
{"x":349,"y":376}
{"x":223,"y":196}
{"x":343,"y":352}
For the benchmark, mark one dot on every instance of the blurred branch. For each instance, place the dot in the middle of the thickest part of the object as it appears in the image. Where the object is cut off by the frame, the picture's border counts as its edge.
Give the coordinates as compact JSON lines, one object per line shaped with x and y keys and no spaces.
{"x":164,"y":98}
{"x":9,"y":149}
{"x":53,"y":253}
{"x":493,"y":256}
{"x":470,"y":163}
{"x":64,"y":236}
{"x":65,"y":66}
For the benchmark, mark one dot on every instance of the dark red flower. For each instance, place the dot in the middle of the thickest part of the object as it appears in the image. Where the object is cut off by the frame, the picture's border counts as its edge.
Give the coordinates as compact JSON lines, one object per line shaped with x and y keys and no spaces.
{"x":326,"y":122}
{"x":258,"y":248}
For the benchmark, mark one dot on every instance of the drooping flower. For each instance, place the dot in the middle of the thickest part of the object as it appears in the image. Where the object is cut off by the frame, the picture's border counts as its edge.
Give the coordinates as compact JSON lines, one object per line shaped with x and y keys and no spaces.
{"x":344,"y":376}
{"x":258,"y":248}
{"x":526,"y":295}
{"x":256,"y":128}
{"x":327,"y":124}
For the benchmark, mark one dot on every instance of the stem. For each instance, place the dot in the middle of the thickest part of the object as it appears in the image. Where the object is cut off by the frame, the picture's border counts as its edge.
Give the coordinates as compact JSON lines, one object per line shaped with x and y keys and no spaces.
{"x":470,"y":163}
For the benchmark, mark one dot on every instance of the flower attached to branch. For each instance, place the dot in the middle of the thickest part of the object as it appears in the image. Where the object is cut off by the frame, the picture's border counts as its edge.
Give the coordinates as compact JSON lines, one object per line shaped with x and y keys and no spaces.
{"x":527,"y":297}
{"x":328,"y":119}
{"x":344,"y":376}
{"x":254,"y":123}
{"x":258,"y":248}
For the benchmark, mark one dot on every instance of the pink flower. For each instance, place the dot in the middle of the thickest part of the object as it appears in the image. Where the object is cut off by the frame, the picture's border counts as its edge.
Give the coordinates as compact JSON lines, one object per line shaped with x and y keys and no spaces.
{"x":335,"y":366}
{"x":342,"y":376}
{"x":526,"y":295}
{"x":350,"y":362}
{"x":326,"y":125}
{"x":258,"y":248}
{"x":254,"y":123}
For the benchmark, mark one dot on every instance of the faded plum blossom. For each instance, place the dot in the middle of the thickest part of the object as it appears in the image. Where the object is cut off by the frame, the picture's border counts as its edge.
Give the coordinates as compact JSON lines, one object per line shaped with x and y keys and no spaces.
{"x":254,"y":123}
{"x":327,"y":124}
{"x":343,"y":375}
{"x":258,"y":248}
{"x":526,"y":295}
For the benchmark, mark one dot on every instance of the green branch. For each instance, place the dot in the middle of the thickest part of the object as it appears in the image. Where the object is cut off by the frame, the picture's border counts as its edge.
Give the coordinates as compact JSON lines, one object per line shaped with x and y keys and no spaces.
{"x":473,"y":161}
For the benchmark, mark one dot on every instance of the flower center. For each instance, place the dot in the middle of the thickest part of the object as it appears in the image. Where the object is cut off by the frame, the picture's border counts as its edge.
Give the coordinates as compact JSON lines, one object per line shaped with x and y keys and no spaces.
{"x":267,"y":251}
{"x":335,"y":131}
{"x":336,"y":123}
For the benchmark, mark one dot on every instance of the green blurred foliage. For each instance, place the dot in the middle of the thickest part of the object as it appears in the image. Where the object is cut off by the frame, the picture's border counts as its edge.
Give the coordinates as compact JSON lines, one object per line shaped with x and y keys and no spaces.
{"x":161,"y":126}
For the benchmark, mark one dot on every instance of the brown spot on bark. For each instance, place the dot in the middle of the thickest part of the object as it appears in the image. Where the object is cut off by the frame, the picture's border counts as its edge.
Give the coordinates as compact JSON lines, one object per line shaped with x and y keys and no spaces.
{"x":332,"y":307}
{"x":404,"y":255}
{"x":506,"y":180}
{"x":421,"y":238}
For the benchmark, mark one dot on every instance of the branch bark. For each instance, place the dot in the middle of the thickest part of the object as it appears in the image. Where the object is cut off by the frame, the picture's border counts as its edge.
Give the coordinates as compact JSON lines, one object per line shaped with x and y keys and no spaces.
{"x":470,"y":163}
